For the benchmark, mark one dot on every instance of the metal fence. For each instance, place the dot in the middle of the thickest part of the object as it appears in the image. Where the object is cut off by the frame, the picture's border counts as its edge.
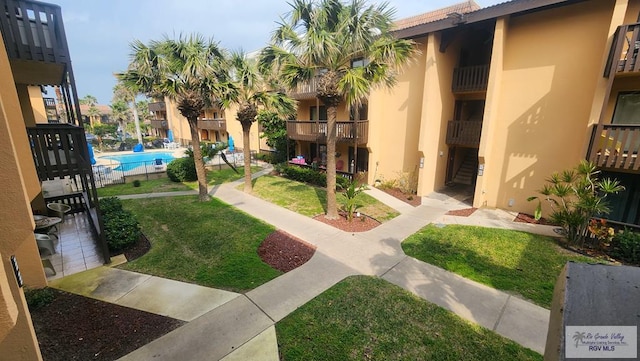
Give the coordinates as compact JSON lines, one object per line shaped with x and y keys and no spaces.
{"x":117,"y":173}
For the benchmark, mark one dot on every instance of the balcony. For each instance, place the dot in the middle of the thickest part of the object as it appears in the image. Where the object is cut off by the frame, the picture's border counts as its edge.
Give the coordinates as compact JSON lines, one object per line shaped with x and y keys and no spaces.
{"x":60,"y":151}
{"x":159,"y":124}
{"x":615,"y":147}
{"x":219,"y":124}
{"x":316,"y":131}
{"x":157,"y":107}
{"x":464,"y":133}
{"x":306,"y":90}
{"x":470,"y":79}
{"x":624,"y":51}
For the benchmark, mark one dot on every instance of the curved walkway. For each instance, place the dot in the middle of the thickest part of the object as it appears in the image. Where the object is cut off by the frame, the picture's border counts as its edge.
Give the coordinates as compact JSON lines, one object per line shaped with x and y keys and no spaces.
{"x":242,"y":327}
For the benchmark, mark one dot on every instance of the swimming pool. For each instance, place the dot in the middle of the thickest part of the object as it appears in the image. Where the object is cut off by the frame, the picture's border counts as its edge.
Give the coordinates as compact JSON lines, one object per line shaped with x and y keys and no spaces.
{"x":135,"y":160}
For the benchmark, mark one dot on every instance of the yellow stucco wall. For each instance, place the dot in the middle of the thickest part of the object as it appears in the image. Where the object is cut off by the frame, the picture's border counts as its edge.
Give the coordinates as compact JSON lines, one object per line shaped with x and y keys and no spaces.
{"x":394,"y":122}
{"x":17,"y":337}
{"x":37,"y":104}
{"x":437,"y":109}
{"x":551,"y":63}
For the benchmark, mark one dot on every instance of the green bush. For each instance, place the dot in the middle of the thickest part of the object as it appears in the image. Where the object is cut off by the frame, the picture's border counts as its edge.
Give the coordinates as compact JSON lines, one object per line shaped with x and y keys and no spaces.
{"x":121,"y":228}
{"x":309,"y":176}
{"x":626,"y":246}
{"x":38,"y":297}
{"x":136,"y":183}
{"x":182,"y":170}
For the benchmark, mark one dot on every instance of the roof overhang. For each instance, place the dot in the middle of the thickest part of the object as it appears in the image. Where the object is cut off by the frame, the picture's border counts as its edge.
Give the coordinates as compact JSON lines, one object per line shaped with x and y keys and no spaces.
{"x":515,"y":7}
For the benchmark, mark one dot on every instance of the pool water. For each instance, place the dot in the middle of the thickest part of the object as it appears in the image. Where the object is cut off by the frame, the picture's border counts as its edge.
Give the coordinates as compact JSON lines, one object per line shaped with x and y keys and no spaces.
{"x":135,"y":160}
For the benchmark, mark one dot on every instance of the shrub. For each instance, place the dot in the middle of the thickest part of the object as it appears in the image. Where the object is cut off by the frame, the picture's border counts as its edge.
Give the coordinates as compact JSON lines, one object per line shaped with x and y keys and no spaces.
{"x":575,"y":196}
{"x":182,"y":170}
{"x":309,"y":176}
{"x":38,"y":297}
{"x":625,"y":246}
{"x":136,"y":183}
{"x":121,"y":228}
{"x":351,"y":192}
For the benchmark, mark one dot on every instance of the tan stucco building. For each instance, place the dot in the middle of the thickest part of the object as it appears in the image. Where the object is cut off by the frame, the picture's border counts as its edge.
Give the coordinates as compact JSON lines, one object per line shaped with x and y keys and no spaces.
{"x":497,"y":100}
{"x":39,"y":141}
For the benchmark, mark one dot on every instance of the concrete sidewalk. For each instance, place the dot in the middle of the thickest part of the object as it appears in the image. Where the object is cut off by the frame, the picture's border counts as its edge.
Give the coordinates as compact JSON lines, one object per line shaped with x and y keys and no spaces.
{"x":241,"y":326}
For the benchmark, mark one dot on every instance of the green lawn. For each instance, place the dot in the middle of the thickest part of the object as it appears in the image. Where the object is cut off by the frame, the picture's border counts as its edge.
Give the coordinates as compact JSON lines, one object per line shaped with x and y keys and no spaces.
{"x":513,"y":261}
{"x":214,"y":177}
{"x":366,"y":318}
{"x":311,"y":201}
{"x":207,"y":243}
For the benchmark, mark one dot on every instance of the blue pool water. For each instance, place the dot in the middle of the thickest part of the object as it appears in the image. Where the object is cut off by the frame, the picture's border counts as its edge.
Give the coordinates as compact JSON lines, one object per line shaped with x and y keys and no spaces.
{"x":135,"y":160}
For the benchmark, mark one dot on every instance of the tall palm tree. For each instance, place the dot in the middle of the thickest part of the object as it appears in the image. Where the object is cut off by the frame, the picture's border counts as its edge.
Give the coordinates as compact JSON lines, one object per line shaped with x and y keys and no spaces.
{"x":191,"y":71}
{"x":128,"y":94}
{"x":255,"y":91}
{"x":121,"y":113}
{"x":320,"y":39}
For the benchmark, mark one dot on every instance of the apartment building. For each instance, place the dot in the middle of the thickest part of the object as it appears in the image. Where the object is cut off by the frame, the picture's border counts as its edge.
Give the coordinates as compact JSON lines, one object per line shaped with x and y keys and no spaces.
{"x":498,"y":99}
{"x":35,"y":147}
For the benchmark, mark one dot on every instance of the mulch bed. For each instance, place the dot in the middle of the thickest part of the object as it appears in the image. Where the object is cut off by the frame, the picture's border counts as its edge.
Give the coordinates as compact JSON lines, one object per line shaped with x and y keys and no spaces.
{"x":411,"y":199}
{"x":285,"y":252}
{"x":357,"y":224}
{"x":462,"y":212}
{"x":74,"y":327}
{"x":527,"y":218}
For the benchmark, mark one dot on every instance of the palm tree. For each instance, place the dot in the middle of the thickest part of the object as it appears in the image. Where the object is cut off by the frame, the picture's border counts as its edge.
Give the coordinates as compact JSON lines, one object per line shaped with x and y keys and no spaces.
{"x":128,"y":93}
{"x":89,"y":100}
{"x":93,"y":112}
{"x":120,"y":112}
{"x":191,"y":71}
{"x":254,"y":92}
{"x":321,"y":39}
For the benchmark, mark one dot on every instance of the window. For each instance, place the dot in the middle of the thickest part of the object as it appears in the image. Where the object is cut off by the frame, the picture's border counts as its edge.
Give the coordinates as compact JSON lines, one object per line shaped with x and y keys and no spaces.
{"x":359,"y":62}
{"x":313,"y":113}
{"x":627,"y":109}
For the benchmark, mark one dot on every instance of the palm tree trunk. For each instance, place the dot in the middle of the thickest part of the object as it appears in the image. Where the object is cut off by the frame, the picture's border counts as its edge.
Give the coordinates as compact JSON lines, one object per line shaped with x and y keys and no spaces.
{"x":203,"y":194}
{"x":246,"y":151}
{"x":136,"y":120}
{"x":332,"y":205}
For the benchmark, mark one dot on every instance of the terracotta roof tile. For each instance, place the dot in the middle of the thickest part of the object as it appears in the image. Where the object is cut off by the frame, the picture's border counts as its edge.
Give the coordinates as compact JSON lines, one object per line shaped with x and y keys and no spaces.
{"x":462,"y":8}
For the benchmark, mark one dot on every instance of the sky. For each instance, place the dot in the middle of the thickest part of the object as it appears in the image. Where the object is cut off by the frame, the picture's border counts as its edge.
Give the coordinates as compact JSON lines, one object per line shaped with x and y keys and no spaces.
{"x":99,"y":31}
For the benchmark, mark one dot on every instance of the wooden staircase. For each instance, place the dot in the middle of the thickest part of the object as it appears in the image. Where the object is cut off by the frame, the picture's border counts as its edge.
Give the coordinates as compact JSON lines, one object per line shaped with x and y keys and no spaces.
{"x":466,"y":174}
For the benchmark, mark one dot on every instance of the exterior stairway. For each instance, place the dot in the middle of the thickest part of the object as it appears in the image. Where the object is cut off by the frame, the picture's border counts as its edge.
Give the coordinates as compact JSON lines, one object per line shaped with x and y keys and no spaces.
{"x":466,"y":174}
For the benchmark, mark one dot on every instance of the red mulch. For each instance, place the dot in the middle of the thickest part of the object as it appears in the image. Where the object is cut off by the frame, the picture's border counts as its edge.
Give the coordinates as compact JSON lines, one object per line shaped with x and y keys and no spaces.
{"x":527,"y":218}
{"x":357,"y":224}
{"x":74,"y":327}
{"x":285,"y":252}
{"x":462,"y":212}
{"x":411,"y":199}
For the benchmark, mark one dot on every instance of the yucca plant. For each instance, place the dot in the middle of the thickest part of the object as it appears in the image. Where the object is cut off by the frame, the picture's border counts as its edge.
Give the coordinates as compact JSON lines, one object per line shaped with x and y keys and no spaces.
{"x":575,"y":196}
{"x":350,"y":194}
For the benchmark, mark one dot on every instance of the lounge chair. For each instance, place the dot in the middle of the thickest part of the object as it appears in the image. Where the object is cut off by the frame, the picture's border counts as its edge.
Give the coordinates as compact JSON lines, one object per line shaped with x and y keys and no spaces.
{"x":158,"y":164}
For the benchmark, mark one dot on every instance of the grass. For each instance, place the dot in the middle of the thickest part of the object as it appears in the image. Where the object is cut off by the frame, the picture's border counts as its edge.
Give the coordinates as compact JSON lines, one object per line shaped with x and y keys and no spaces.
{"x":366,"y":318}
{"x":207,"y":243}
{"x":513,"y":261}
{"x":214,"y":177}
{"x":311,"y":201}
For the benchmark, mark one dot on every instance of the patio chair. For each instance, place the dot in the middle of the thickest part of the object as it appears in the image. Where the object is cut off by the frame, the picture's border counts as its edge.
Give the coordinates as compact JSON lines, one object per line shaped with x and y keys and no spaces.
{"x":158,"y":164}
{"x":45,"y":243}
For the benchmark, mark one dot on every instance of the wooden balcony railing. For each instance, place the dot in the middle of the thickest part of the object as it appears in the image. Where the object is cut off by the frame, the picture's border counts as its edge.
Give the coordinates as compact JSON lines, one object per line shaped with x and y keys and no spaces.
{"x":306,"y":90}
{"x":157,"y":107}
{"x":624,"y":50}
{"x":33,"y":30}
{"x":470,"y":79}
{"x":313,"y":131}
{"x":159,"y":124}
{"x":50,"y":103}
{"x":212,"y":124}
{"x":615,"y":147}
{"x":59,"y":150}
{"x":464,"y":133}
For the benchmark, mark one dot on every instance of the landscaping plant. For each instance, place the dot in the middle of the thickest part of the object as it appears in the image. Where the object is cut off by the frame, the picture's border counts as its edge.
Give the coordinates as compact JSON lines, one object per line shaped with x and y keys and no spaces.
{"x":625,"y":246}
{"x":350,"y":194}
{"x":575,"y":196}
{"x":121,"y":228}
